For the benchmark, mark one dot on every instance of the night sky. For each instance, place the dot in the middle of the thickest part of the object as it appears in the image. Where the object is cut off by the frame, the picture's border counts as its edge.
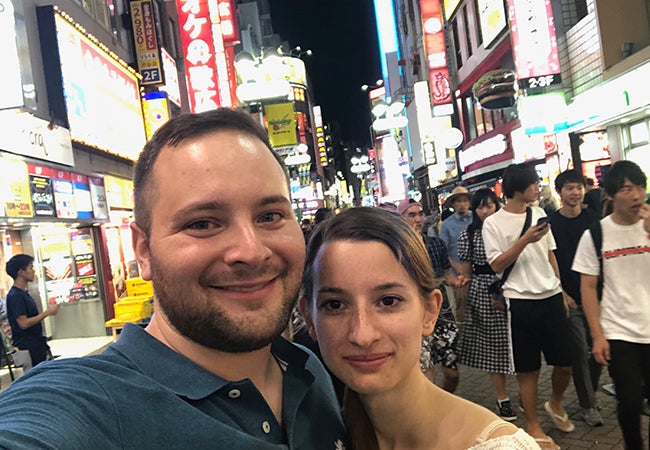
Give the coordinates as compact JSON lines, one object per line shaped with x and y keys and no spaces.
{"x":343,"y":37}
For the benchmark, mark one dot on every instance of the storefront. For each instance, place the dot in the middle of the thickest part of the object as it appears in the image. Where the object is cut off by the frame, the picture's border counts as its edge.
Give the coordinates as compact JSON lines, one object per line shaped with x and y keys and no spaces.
{"x":613,"y":120}
{"x":54,"y":215}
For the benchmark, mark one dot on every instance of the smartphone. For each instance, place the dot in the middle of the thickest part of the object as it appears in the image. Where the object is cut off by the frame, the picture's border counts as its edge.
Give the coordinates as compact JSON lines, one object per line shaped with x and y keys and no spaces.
{"x":543,"y":221}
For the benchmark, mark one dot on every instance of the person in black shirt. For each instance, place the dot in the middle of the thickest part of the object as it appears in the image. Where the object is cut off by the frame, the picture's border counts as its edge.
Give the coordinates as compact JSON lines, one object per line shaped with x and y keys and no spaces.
{"x":567,"y":225}
{"x":22,"y":312}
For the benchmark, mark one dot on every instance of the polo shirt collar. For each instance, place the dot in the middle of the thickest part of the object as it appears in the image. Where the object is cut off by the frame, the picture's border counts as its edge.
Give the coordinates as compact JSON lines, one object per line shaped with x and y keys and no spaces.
{"x":184,"y":377}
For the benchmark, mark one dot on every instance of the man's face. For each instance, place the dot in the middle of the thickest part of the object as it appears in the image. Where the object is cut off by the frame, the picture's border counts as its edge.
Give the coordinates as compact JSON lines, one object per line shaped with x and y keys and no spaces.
{"x":572,"y":194}
{"x":225,"y":252}
{"x":531,"y":193}
{"x":628,"y":200}
{"x":415,"y":217}
{"x":461,"y":205}
{"x":28,"y":273}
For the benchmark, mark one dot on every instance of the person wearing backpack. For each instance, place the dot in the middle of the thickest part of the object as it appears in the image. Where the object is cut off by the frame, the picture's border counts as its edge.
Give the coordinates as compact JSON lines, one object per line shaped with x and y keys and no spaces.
{"x":567,"y":225}
{"x":620,"y":323}
{"x":518,"y":236}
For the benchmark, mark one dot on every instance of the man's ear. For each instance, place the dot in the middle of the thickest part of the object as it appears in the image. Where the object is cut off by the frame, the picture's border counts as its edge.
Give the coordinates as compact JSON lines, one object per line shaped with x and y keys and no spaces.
{"x":140,"y":243}
{"x":432,"y":305}
{"x":303,"y":305}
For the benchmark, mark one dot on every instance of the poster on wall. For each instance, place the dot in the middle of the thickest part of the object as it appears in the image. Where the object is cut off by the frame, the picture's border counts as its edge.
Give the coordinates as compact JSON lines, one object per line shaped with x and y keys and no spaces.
{"x":15,"y":195}
{"x":82,"y":246}
{"x":63,"y":194}
{"x":40,"y":185}
{"x":82,"y":199}
{"x":56,"y":264}
{"x":98,"y":197}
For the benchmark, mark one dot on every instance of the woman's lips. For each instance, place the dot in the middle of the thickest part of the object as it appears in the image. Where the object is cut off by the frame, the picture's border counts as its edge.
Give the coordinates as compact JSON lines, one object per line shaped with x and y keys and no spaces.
{"x":369,"y":362}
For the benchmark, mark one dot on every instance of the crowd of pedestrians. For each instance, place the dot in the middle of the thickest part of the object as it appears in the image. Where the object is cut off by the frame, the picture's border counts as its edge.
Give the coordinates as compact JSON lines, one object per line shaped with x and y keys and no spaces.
{"x":214,"y":367}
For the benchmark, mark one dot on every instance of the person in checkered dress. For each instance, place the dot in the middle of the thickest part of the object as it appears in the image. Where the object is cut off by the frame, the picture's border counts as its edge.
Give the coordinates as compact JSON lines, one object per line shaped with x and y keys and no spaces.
{"x":484,"y":342}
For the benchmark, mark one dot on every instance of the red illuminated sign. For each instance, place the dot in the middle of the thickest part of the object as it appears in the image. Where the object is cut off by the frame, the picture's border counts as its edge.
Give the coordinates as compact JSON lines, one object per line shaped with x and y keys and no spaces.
{"x":534,"y":44}
{"x":198,"y":48}
{"x":434,"y":44}
{"x":229,"y":26}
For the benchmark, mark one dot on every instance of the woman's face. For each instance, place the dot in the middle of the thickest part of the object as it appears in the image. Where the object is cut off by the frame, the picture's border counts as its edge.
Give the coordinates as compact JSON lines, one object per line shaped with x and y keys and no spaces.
{"x":486,"y":209}
{"x":368,"y":315}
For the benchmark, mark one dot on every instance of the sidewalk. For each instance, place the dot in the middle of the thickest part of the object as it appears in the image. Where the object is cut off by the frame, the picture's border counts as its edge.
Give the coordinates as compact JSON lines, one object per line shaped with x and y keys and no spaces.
{"x":475,"y":386}
{"x":64,"y":348}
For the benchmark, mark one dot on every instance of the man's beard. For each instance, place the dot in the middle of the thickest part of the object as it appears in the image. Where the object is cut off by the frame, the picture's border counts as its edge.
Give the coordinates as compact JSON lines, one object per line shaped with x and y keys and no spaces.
{"x":203,"y":320}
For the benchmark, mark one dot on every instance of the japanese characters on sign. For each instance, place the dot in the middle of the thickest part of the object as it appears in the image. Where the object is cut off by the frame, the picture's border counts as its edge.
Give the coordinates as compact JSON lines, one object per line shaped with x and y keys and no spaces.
{"x":534,"y":44}
{"x":434,"y":43}
{"x":199,"y":52}
{"x":146,"y":43}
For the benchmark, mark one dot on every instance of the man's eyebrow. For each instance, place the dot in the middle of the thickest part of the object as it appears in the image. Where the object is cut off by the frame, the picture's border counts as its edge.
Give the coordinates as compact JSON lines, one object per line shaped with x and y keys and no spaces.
{"x":215,"y":205}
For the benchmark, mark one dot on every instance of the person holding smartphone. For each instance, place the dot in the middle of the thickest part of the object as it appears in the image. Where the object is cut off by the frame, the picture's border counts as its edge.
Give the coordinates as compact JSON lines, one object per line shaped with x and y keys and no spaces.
{"x":538,"y":314}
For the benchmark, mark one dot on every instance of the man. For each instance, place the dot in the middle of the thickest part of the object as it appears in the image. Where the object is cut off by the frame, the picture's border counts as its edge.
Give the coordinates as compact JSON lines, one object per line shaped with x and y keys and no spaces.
{"x":442,"y":345}
{"x":538,"y":318}
{"x":567,"y":225}
{"x":620,"y":324}
{"x":22,"y":312}
{"x":215,"y":232}
{"x":455,"y":224}
{"x":594,"y":197}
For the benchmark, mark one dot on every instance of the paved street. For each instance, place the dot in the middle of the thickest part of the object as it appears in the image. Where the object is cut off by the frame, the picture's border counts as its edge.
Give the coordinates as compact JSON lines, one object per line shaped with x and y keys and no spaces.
{"x":475,"y":385}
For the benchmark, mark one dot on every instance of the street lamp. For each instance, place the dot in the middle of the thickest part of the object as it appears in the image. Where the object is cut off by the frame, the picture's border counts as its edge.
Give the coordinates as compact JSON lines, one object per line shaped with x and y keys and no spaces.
{"x":378,"y":83}
{"x":296,"y":52}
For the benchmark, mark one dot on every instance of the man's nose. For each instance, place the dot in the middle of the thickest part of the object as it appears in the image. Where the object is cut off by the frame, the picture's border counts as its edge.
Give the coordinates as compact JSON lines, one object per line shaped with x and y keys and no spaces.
{"x":245,"y":244}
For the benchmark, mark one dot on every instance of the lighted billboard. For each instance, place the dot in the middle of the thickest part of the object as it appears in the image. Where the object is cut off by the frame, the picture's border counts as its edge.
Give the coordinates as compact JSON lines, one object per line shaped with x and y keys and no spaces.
{"x":199,"y":52}
{"x":492,"y":15}
{"x":534,"y":44}
{"x":100,"y":93}
{"x":434,"y":44}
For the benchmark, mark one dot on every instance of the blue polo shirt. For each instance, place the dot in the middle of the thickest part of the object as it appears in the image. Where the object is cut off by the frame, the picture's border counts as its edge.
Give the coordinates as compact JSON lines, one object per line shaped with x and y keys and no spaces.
{"x":141,"y":394}
{"x":450,"y":230}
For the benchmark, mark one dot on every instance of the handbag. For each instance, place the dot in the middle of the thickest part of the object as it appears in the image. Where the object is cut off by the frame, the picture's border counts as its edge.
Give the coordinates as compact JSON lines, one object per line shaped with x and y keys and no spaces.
{"x":496,"y":288}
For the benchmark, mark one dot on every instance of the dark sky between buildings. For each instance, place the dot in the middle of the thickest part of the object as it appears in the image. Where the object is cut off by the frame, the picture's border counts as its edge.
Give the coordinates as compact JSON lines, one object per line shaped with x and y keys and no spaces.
{"x":343,"y":38}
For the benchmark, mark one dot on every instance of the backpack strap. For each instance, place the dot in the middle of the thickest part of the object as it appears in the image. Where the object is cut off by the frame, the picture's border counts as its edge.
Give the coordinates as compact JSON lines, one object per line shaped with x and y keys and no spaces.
{"x":596,"y":231}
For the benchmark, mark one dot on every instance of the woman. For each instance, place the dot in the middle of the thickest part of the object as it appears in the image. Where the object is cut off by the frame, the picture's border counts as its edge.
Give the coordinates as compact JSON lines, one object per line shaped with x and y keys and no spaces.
{"x":369,"y":297}
{"x":484,"y":334}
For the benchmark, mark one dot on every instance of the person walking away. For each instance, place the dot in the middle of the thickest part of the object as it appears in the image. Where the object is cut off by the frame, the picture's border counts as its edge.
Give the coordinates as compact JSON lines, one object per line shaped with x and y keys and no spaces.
{"x":620,"y":323}
{"x":567,"y":225}
{"x":537,"y":312}
{"x":440,"y":347}
{"x":24,"y":318}
{"x":215,"y":232}
{"x":484,"y":332}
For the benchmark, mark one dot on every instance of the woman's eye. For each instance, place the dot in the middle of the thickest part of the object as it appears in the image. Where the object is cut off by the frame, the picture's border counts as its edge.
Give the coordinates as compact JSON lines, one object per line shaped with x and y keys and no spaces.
{"x":389,"y":301}
{"x":331,"y":305}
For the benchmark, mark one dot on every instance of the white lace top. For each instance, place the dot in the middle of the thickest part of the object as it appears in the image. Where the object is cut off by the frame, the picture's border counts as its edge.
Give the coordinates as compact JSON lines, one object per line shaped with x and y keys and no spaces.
{"x":517,"y":441}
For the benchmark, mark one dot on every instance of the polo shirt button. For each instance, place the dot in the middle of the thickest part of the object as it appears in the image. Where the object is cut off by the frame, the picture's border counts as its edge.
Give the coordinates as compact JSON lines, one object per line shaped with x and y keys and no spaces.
{"x":234,"y":393}
{"x":266,"y":427}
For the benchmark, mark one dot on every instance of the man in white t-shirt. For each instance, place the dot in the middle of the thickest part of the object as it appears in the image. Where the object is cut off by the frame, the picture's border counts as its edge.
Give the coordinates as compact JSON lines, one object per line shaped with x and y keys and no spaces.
{"x":620,"y":325}
{"x":537,"y":309}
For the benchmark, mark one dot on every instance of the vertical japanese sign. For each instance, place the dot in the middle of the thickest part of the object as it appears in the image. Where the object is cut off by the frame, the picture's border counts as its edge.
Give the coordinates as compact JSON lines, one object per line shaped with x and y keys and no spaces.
{"x":63,"y":194}
{"x":434,"y":44}
{"x":198,"y":49}
{"x":146,"y":42}
{"x":320,"y":135}
{"x":534,"y":43}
